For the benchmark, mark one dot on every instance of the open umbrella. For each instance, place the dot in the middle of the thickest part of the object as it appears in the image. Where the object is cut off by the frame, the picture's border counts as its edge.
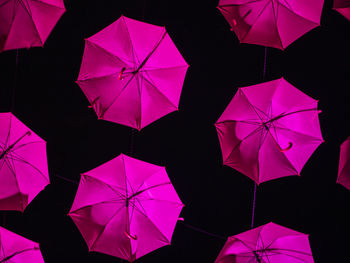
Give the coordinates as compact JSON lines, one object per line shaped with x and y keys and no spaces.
{"x":343,"y":7}
{"x":27,"y":23}
{"x":272,"y":23}
{"x":126,"y":208}
{"x":17,"y":249}
{"x":23,"y":164}
{"x":270,"y":243}
{"x":344,"y":164}
{"x":269,"y":130}
{"x":132,"y":73}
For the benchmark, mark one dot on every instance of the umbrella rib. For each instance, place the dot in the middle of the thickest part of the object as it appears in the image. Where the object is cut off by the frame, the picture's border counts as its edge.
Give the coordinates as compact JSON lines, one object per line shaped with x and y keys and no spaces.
{"x":292,"y":11}
{"x":25,"y":144}
{"x":136,"y":59}
{"x":159,"y":200}
{"x":106,"y":184}
{"x":287,"y":255}
{"x":148,"y":188}
{"x":256,"y":109}
{"x":275,"y":19}
{"x":17,"y":253}
{"x":104,"y":227}
{"x":29,"y":12}
{"x":154,"y":86}
{"x":258,"y":16}
{"x":134,"y":73}
{"x":136,"y":208}
{"x":241,"y":141}
{"x":282,"y":127}
{"x":18,"y":158}
{"x":4,"y":3}
{"x":47,"y":4}
{"x":12,"y":169}
{"x":165,"y":68}
{"x":241,"y":121}
{"x":123,"y":60}
{"x":94,"y":204}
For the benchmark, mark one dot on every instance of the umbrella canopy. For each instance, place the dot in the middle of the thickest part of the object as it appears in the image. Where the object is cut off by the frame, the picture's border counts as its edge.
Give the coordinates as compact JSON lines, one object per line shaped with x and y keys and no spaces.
{"x":269,"y":130}
{"x":27,"y":23}
{"x":343,"y":7}
{"x":126,"y":208}
{"x":132,"y":73}
{"x":270,"y":243}
{"x":23,"y":164}
{"x":17,"y":249}
{"x":344,"y":164}
{"x":271,"y":23}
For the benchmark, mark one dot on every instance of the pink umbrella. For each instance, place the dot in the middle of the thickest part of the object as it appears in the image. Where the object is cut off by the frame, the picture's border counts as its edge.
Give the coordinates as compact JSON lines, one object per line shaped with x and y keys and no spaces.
{"x":272,"y":23}
{"x":132,"y":73}
{"x":270,"y":243}
{"x":23,"y":164}
{"x":343,"y":7}
{"x":344,"y":164}
{"x":17,"y":249}
{"x":269,"y":130}
{"x":27,"y":23}
{"x":126,"y":208}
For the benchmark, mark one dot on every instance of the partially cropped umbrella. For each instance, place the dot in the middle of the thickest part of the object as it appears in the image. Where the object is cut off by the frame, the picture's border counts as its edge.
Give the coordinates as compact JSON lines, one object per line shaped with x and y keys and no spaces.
{"x":344,"y":164}
{"x":17,"y":249}
{"x":132,"y":73}
{"x":271,"y":23}
{"x":126,"y":208}
{"x":23,"y":164}
{"x":269,"y":130}
{"x":343,"y":7}
{"x":27,"y":23}
{"x":270,"y":243}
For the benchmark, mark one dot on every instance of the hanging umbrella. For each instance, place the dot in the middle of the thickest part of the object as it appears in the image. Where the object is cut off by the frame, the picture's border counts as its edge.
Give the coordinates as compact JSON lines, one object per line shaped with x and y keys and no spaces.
{"x":27,"y":23}
{"x":126,"y":208}
{"x":344,"y":164}
{"x":271,"y":23}
{"x":132,"y":73}
{"x":17,"y":249}
{"x":343,"y":7}
{"x":269,"y":130}
{"x":23,"y":164}
{"x":270,"y":243}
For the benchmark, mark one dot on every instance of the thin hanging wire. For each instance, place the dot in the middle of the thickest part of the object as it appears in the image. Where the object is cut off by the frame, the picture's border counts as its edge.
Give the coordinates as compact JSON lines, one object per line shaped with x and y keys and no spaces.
{"x":65,"y":179}
{"x":203,"y":231}
{"x":15,"y":75}
{"x":255,"y":184}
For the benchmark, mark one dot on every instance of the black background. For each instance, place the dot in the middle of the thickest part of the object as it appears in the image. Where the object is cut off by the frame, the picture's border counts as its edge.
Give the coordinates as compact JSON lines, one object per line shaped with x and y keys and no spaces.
{"x":218,"y":199}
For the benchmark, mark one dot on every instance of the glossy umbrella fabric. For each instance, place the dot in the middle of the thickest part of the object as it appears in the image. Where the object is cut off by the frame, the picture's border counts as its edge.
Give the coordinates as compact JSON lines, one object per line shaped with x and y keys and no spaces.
{"x":343,"y":7}
{"x":269,"y":130}
{"x":270,"y":243}
{"x":17,"y":249}
{"x":132,"y":73}
{"x":126,"y":208}
{"x":344,"y":164}
{"x":23,"y":164}
{"x":271,"y":23}
{"x":27,"y":23}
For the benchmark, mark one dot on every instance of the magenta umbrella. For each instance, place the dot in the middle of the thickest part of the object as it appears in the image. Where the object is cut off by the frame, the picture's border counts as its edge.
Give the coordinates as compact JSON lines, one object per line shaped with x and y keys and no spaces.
{"x":132,"y":73}
{"x":344,"y":164}
{"x":269,"y":130}
{"x":27,"y":23}
{"x":270,"y":243}
{"x":126,"y":208}
{"x":17,"y":249}
{"x":23,"y":164}
{"x":343,"y":7}
{"x":271,"y":23}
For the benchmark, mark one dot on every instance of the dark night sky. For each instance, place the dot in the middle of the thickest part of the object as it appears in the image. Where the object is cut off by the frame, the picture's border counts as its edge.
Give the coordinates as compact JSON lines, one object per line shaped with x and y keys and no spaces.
{"x":218,"y":199}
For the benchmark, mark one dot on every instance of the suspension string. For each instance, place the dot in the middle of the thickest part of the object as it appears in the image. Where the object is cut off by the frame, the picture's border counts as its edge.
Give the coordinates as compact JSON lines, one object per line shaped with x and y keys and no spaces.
{"x":15,"y":75}
{"x":203,"y":231}
{"x":66,"y":179}
{"x":253,"y":207}
{"x":132,"y":141}
{"x":255,"y":184}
